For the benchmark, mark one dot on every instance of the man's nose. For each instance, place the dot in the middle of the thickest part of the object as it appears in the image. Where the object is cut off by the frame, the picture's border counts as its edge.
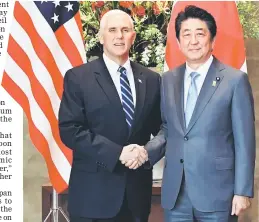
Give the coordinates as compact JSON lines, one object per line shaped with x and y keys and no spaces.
{"x":119,"y":34}
{"x":193,"y":39}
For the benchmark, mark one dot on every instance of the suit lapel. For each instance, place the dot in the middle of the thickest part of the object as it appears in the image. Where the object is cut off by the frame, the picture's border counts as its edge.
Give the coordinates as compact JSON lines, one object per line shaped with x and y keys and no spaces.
{"x":105,"y":81}
{"x":140,"y":85}
{"x":207,"y":90}
{"x":179,"y":94}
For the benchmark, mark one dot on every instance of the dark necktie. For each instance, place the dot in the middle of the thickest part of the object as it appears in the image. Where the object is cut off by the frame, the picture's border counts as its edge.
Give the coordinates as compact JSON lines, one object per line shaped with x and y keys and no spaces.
{"x":127,"y":99}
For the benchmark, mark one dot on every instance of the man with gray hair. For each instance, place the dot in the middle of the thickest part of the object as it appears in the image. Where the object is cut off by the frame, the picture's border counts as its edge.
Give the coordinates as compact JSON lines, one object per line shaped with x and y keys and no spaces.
{"x":108,"y":104}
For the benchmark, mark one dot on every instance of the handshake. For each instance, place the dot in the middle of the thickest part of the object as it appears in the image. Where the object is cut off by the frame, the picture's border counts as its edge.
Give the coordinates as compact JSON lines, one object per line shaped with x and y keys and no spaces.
{"x":133,"y":156}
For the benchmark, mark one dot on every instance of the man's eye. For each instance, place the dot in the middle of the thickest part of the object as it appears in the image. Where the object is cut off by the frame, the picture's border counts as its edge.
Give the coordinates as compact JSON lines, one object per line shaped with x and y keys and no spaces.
{"x":200,"y":34}
{"x":125,"y":30}
{"x":112,"y":30}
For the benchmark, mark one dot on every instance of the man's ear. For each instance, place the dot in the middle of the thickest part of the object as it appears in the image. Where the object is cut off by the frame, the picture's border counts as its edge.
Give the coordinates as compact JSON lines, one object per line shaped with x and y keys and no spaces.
{"x":100,"y":37}
{"x":133,"y":37}
{"x":178,"y":43}
{"x":213,"y":43}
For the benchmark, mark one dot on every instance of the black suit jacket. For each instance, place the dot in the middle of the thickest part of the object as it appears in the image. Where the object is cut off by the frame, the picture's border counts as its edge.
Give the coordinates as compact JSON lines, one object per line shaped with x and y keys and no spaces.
{"x":92,"y":123}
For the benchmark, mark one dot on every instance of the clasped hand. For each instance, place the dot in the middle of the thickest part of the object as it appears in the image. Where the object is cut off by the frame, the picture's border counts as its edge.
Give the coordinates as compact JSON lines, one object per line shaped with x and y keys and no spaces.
{"x":133,"y":156}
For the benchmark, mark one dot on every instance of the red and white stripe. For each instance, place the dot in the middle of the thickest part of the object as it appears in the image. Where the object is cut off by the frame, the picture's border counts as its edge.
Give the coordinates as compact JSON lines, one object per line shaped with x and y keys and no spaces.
{"x":36,"y":63}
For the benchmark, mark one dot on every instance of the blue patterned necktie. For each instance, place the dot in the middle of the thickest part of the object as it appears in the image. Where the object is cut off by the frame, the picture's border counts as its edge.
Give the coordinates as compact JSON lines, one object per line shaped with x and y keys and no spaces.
{"x":191,"y":98}
{"x":126,"y":95}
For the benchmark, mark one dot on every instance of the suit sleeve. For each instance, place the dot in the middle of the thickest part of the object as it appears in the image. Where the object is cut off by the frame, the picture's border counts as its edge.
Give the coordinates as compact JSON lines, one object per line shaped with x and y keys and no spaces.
{"x":156,"y":147}
{"x":243,"y":124}
{"x":74,"y":129}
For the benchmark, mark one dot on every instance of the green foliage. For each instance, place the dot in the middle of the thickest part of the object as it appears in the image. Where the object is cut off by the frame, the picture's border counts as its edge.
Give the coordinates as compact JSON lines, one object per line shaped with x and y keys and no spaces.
{"x":249,"y":18}
{"x":150,"y":20}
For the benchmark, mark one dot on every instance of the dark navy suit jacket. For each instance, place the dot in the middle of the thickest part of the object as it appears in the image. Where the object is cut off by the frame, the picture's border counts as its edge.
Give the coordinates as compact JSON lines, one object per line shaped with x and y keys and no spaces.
{"x":92,"y":123}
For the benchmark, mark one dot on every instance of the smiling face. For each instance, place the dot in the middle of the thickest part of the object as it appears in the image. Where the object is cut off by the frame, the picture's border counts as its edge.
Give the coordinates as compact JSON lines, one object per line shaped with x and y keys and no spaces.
{"x":117,"y":36}
{"x":195,"y":41}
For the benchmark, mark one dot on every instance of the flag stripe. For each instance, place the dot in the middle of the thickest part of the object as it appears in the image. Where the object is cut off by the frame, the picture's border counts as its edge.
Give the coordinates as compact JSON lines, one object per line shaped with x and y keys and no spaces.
{"x":40,"y":51}
{"x":42,"y":97}
{"x":42,"y":74}
{"x":68,"y":46}
{"x":48,"y":37}
{"x":77,"y":41}
{"x":38,"y":117}
{"x":38,"y":139}
{"x":79,"y":26}
{"x":47,"y":57}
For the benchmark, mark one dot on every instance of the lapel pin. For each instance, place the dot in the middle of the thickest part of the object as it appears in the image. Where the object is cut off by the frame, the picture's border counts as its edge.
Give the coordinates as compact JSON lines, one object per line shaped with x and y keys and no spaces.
{"x":217,"y":78}
{"x":140,"y":80}
{"x":214,"y":83}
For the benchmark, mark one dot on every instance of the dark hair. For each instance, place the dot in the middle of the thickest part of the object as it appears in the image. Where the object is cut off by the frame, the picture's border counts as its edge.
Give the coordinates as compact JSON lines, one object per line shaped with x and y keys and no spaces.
{"x":192,"y":11}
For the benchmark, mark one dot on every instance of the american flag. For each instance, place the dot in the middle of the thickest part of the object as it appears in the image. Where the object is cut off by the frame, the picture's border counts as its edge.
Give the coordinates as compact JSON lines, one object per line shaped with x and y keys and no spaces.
{"x":45,"y":41}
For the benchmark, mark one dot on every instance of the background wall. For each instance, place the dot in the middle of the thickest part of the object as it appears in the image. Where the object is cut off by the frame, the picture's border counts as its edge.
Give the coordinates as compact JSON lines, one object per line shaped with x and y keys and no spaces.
{"x":252,"y":52}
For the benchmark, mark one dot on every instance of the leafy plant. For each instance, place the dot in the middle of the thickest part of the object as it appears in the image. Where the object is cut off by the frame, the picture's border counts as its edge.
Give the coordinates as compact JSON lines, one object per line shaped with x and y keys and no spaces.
{"x":150,"y":21}
{"x":248,"y":15}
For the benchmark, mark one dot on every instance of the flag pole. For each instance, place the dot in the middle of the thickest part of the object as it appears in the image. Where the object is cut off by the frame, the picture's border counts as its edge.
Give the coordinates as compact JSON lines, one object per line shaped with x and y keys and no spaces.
{"x":55,"y":209}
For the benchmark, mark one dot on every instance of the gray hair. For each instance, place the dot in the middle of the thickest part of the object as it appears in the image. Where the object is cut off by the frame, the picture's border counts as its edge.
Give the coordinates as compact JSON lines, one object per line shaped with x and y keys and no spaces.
{"x":111,"y":13}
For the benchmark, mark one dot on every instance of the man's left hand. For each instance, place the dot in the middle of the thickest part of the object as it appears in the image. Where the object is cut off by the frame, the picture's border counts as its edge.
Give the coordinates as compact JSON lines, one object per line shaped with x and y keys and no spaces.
{"x":239,"y":204}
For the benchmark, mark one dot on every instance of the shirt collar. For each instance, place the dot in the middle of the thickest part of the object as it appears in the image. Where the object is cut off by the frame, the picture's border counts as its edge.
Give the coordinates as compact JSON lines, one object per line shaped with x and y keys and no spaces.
{"x":113,"y":66}
{"x":202,"y":70}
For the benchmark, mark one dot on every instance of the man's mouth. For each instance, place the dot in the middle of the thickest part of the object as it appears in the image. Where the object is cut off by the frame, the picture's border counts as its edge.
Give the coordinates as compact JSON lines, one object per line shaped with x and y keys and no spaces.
{"x":194,"y":50}
{"x":119,"y":44}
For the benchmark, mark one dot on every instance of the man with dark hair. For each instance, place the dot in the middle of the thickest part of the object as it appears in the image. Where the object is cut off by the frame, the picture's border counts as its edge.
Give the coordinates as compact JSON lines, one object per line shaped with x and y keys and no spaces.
{"x":195,"y":12}
{"x":208,"y":132}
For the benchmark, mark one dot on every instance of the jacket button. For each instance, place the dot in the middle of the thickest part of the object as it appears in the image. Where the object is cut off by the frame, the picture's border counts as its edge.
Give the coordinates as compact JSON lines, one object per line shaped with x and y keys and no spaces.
{"x":181,"y":161}
{"x":186,"y":138}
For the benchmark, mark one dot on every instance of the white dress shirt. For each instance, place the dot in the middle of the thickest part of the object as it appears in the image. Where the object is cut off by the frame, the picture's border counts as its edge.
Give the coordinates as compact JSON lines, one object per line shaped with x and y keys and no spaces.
{"x":115,"y":75}
{"x":202,"y":70}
